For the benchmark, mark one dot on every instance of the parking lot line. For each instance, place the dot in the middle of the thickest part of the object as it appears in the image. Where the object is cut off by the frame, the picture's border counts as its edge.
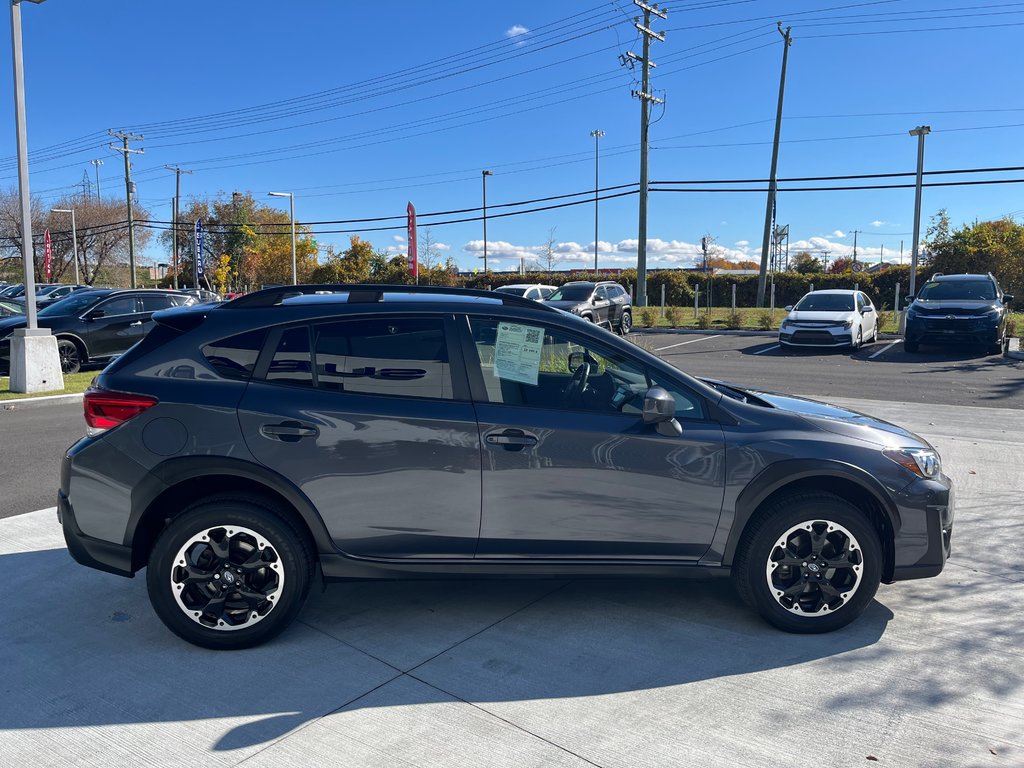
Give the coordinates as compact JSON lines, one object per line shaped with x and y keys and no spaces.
{"x":884,"y":349}
{"x":767,"y":349}
{"x":691,"y":341}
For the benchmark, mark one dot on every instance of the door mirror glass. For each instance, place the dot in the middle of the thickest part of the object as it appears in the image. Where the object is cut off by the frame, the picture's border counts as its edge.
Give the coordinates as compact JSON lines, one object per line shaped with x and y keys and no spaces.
{"x":1007,"y":298}
{"x":789,"y":308}
{"x":659,"y":406}
{"x":908,"y":299}
{"x":576,"y":360}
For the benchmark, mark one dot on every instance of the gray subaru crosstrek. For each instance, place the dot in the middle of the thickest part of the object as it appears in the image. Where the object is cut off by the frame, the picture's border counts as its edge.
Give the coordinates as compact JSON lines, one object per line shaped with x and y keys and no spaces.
{"x":400,"y":432}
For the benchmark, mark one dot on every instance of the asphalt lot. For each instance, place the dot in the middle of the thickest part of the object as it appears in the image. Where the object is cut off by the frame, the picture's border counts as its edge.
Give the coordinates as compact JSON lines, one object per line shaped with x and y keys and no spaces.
{"x":521,"y":673}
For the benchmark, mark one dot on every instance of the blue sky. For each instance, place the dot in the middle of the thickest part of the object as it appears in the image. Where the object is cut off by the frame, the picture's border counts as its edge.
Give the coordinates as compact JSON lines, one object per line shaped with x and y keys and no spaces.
{"x":383,"y":104}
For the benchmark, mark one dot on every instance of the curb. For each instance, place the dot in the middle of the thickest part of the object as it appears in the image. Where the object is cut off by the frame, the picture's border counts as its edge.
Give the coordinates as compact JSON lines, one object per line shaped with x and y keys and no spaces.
{"x":34,"y":402}
{"x":1013,"y":350}
{"x":727,"y":332}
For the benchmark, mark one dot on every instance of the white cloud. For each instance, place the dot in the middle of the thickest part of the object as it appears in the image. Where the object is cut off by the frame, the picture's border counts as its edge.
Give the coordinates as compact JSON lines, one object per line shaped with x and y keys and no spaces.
{"x":838,"y":233}
{"x":742,"y":243}
{"x":398,"y":238}
{"x":878,"y":223}
{"x":665,"y":253}
{"x":517,"y":31}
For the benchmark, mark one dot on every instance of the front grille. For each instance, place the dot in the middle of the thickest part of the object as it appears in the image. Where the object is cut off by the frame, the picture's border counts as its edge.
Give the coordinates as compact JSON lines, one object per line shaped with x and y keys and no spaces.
{"x":956,"y":325}
{"x":814,"y":337}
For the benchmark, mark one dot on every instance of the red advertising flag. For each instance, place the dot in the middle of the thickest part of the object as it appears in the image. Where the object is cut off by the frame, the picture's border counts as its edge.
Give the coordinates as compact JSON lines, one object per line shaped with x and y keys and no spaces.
{"x":48,"y":254}
{"x":414,"y":264}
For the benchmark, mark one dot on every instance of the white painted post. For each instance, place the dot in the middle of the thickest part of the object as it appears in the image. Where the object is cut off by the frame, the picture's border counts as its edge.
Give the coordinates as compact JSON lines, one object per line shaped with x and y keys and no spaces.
{"x":696,"y":301}
{"x":856,"y":286}
{"x":662,"y":299}
{"x":812,"y":288}
{"x":773,"y":300}
{"x":734,"y":298}
{"x":896,"y":303}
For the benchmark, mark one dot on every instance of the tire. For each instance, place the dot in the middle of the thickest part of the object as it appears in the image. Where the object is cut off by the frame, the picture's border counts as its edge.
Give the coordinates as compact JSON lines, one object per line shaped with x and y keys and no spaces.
{"x":997,"y":348}
{"x":762,"y":578}
{"x":910,"y":346}
{"x":69,"y":355}
{"x":270,"y":559}
{"x":860,"y":339}
{"x":625,"y":323}
{"x":588,"y":318}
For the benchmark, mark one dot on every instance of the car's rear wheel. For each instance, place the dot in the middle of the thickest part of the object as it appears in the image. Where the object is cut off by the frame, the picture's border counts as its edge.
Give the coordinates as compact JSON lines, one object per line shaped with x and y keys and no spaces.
{"x":230,"y":572}
{"x":70,"y":358}
{"x":809,"y":563}
{"x":625,"y":323}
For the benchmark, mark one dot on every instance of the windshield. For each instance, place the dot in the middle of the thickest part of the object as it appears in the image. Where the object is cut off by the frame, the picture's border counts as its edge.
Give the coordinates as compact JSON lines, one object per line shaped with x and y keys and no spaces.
{"x":71,"y":305}
{"x":972,"y":290}
{"x":10,"y":308}
{"x":572,"y":293}
{"x":826,"y":302}
{"x":44,"y":289}
{"x":513,"y":291}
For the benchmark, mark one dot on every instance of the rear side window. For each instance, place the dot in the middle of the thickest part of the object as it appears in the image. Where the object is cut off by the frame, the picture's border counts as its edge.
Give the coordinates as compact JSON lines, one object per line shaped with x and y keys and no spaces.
{"x":156,"y":301}
{"x":292,"y":363}
{"x":235,"y":357}
{"x":122,"y":305}
{"x":405,"y":357}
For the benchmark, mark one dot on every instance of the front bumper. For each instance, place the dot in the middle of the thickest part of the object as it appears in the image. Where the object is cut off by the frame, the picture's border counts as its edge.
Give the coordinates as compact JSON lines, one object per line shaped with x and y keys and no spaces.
{"x":951,"y":330}
{"x":924,"y":541}
{"x":826,"y":336}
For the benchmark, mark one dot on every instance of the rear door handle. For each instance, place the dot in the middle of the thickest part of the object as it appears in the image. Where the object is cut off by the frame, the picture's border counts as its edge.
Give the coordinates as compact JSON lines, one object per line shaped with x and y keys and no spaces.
{"x":511,"y":439}
{"x":288,"y":431}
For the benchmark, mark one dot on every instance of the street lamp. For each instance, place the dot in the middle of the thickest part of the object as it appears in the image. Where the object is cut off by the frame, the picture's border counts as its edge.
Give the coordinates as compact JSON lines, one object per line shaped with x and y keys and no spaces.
{"x":291,"y":204}
{"x":31,"y":347}
{"x":96,"y":164}
{"x":597,"y":134}
{"x":74,"y":237}
{"x":921,"y":131}
{"x":484,"y":175}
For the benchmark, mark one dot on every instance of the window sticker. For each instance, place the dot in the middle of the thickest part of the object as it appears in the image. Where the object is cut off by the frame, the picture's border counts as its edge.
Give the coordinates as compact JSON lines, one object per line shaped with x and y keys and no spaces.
{"x":517,"y":352}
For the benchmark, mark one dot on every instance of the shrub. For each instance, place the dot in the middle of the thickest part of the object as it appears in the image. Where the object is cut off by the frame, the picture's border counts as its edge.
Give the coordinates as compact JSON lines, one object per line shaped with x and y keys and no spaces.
{"x":1011,"y":326}
{"x":648,"y":316}
{"x":704,"y":321}
{"x":765,"y":321}
{"x":733,"y":320}
{"x":676,"y":316}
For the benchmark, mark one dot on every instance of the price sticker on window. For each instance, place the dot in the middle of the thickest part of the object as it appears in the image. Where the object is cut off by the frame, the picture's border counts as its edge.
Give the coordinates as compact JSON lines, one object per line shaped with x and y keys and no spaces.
{"x":517,"y":352}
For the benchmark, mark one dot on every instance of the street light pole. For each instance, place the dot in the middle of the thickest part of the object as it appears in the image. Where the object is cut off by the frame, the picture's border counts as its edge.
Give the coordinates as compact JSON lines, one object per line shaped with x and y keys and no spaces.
{"x":921,"y":131}
{"x":484,"y":175}
{"x":291,"y":206}
{"x":597,"y":134}
{"x":34,"y":362}
{"x":74,"y":237}
{"x":96,"y":164}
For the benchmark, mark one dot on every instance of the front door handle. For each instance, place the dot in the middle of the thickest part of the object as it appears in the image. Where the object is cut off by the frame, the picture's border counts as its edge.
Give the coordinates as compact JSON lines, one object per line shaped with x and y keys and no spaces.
{"x":289,"y":431}
{"x":136,"y":324}
{"x":511,"y":439}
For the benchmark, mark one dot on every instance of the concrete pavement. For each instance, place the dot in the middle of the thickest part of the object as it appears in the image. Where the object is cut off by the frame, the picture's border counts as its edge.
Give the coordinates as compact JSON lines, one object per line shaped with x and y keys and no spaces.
{"x":532,"y":673}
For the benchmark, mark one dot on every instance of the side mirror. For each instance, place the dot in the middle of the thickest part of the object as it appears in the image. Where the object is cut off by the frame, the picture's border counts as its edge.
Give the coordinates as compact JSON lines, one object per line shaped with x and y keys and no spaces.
{"x":94,"y":314}
{"x":908,"y":300}
{"x":660,"y":410}
{"x":789,"y":308}
{"x":576,"y":360}
{"x":1007,"y":298}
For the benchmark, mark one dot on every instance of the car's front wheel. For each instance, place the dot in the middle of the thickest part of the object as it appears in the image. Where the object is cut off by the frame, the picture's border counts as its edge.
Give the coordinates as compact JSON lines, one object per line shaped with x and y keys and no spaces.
{"x":810,"y":562}
{"x":229,"y":573}
{"x":625,"y":323}
{"x":70,"y":359}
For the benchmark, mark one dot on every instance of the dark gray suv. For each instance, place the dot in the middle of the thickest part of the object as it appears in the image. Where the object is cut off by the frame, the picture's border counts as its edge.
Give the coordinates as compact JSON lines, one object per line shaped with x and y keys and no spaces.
{"x":400,"y":432}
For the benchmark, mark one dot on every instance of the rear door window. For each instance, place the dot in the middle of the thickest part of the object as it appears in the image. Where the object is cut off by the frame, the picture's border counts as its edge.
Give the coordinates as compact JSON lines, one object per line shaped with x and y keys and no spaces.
{"x":292,"y":362}
{"x":235,"y":357}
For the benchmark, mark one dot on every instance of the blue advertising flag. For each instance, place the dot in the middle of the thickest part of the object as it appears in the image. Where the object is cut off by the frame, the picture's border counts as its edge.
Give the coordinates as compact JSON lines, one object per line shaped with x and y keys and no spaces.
{"x":200,"y":235}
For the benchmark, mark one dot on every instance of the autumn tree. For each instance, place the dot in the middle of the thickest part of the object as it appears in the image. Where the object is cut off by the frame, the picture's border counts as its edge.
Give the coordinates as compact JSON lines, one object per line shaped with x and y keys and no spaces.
{"x":805,"y":264}
{"x":980,"y":248}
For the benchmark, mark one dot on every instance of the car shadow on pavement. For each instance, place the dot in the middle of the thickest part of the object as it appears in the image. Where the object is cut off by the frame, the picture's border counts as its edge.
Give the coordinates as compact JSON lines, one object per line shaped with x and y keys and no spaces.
{"x":81,"y":648}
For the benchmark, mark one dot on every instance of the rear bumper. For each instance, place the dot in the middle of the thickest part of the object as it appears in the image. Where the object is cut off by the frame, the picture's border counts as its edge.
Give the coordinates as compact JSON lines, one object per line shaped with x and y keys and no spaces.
{"x":95,"y":553}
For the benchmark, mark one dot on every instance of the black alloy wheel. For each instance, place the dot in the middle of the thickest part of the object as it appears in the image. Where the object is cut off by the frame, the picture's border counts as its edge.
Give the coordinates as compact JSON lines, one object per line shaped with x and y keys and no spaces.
{"x":70,"y":360}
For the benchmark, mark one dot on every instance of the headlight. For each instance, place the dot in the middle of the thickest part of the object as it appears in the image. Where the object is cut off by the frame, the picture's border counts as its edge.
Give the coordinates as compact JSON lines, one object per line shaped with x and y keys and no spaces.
{"x":912,"y":310}
{"x":848,"y":324}
{"x":923,"y":462}
{"x":785,"y":322}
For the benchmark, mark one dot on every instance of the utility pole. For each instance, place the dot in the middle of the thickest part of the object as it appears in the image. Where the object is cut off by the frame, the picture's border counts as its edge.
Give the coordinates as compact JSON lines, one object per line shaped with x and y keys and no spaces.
{"x":921,"y":131}
{"x":772,"y":184}
{"x":597,"y":134}
{"x":175,"y":210}
{"x":96,"y":164}
{"x":484,"y":175}
{"x":125,"y":138}
{"x":855,"y":233}
{"x":647,"y":100}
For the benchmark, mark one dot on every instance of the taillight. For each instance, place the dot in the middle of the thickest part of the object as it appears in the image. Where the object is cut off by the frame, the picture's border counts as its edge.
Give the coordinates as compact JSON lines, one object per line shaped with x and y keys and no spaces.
{"x":104,"y":409}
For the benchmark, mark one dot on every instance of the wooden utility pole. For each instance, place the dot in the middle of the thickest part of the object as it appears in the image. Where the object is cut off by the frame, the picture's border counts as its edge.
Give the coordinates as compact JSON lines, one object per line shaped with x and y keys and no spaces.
{"x":128,"y":189}
{"x":177,"y":206}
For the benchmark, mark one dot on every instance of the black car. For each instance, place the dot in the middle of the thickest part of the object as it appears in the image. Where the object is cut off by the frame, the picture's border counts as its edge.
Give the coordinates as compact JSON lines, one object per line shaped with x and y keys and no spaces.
{"x":94,"y":325}
{"x":602,"y":303}
{"x":958,"y":309}
{"x":401,"y":432}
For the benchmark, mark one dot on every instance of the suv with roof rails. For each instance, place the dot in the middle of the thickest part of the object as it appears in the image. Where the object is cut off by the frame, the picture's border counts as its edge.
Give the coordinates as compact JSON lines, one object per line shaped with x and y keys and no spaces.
{"x":382,"y":432}
{"x":961,"y":309}
{"x":602,"y":303}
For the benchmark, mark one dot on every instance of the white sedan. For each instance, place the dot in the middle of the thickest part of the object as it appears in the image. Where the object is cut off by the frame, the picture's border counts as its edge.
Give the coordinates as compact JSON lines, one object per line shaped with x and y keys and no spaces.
{"x":830,"y":319}
{"x":534,"y":291}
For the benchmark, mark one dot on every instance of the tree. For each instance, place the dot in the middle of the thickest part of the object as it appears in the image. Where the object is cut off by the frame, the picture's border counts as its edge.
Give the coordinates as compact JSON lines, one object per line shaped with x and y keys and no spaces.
{"x":981,"y":247}
{"x":353,"y":265}
{"x":428,"y":250}
{"x":805,"y":264}
{"x":937,"y":236}
{"x":549,"y":258}
{"x":839,"y":265}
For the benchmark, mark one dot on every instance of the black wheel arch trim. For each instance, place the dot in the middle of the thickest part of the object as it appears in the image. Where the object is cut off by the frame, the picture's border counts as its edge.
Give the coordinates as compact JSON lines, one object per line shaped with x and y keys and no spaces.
{"x":783,"y":473}
{"x":180,"y":469}
{"x":83,"y":348}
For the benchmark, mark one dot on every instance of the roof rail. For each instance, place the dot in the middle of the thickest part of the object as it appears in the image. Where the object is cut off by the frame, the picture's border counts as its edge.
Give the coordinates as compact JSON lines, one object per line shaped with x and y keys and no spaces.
{"x":361,"y":293}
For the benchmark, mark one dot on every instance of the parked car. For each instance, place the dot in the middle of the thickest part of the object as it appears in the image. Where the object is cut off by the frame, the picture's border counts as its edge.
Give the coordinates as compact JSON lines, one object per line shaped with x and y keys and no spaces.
{"x":201,"y":295}
{"x":415,"y":431}
{"x":94,"y":325}
{"x":54,"y":293}
{"x":958,"y":309}
{"x":830,"y":319}
{"x":534,"y":291}
{"x":13,"y":291}
{"x":11,"y":307}
{"x":602,"y":303}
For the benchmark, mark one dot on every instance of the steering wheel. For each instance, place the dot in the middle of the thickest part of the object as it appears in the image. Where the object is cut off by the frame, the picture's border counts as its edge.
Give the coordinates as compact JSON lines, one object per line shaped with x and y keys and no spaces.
{"x":578,"y":381}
